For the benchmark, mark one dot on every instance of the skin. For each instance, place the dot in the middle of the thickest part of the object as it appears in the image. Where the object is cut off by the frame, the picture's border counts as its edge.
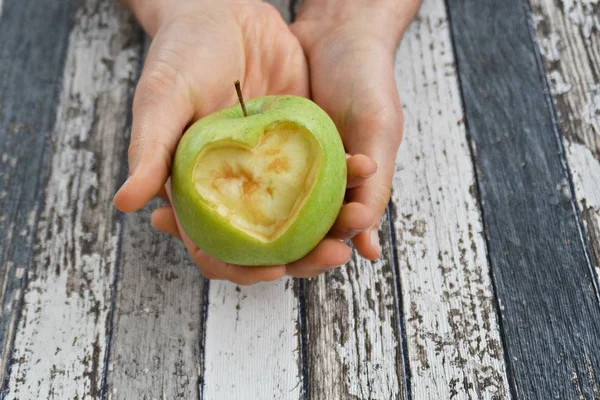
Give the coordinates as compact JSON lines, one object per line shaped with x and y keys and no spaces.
{"x":348,"y":47}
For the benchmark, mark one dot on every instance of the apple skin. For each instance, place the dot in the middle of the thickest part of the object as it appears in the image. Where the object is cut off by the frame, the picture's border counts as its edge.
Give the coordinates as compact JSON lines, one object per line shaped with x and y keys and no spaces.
{"x":213,"y":233}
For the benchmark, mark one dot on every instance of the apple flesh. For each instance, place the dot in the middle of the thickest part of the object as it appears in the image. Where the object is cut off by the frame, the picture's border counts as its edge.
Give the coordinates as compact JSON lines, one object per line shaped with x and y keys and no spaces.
{"x":262,"y":189}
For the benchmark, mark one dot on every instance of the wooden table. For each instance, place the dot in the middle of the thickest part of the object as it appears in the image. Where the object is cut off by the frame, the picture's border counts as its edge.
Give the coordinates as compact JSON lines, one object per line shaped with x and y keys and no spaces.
{"x":488,"y":283}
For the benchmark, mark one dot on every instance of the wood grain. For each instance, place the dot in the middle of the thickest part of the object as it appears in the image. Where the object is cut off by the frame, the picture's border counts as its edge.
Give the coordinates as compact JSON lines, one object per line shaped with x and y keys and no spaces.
{"x":61,"y":342}
{"x":353,"y":330}
{"x":550,"y":314}
{"x":252,"y":342}
{"x":30,"y":74}
{"x":156,"y":346}
{"x":568,"y":39}
{"x":454,"y":343}
{"x":157,"y":342}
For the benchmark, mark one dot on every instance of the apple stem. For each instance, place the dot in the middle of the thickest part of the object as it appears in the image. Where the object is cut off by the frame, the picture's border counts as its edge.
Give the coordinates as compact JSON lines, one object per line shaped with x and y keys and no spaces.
{"x":238,"y":89}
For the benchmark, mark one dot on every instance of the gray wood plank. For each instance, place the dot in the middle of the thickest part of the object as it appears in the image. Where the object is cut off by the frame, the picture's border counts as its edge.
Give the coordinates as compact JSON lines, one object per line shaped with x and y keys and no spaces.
{"x":32,"y":50}
{"x":156,"y":345}
{"x":62,"y":338}
{"x":550,"y":313}
{"x":452,"y":330}
{"x":353,"y":339}
{"x":567,"y":34}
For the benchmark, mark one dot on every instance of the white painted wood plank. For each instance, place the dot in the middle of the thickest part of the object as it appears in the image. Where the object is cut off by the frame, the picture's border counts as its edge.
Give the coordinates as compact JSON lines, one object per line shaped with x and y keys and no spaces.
{"x":60,"y":345}
{"x":252,"y":345}
{"x":567,"y":34}
{"x":155,"y":350}
{"x":252,"y":337}
{"x":453,"y":338}
{"x":354,"y":340}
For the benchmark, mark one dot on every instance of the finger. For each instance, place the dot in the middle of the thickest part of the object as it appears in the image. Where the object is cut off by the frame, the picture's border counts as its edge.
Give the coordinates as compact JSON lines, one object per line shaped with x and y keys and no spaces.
{"x":238,"y":274}
{"x":360,"y":168}
{"x":213,"y":268}
{"x":375,"y":195}
{"x":353,"y":219}
{"x":376,"y":191}
{"x":163,"y":219}
{"x":161,"y":109}
{"x":328,"y":254}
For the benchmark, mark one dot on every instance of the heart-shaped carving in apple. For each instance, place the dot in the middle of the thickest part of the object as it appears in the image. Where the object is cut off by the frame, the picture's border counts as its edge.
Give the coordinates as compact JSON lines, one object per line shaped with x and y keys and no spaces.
{"x":261,"y":189}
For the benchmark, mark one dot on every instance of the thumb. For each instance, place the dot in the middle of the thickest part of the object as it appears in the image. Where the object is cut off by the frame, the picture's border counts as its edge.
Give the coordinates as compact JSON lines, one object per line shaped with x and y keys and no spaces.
{"x":162,"y":107}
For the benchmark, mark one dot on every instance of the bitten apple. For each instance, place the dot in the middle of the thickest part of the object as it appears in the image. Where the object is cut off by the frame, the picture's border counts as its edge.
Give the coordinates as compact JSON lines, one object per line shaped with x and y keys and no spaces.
{"x":261,"y":189}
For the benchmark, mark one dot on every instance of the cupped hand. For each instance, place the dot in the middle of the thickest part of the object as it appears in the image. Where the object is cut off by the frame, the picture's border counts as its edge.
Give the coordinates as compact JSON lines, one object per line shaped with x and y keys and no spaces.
{"x":330,"y":253}
{"x":196,"y":54}
{"x":350,"y":50}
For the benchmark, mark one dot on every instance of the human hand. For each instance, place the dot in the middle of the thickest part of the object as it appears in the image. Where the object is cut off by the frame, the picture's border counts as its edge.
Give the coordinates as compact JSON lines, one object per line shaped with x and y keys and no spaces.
{"x":195,"y":50}
{"x":350,"y":49}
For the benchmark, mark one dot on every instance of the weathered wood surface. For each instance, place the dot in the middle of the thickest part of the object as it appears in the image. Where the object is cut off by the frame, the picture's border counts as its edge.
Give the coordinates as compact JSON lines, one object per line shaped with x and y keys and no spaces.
{"x":550,"y":314}
{"x":61,"y":341}
{"x":252,"y":342}
{"x":157,"y":334}
{"x":30,"y":76}
{"x":354,"y":342}
{"x":420,"y":323}
{"x":453,"y":337}
{"x":569,"y":41}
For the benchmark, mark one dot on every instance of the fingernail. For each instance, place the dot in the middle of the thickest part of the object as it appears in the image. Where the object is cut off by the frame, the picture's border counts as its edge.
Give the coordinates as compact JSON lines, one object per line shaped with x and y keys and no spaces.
{"x":375,"y":241}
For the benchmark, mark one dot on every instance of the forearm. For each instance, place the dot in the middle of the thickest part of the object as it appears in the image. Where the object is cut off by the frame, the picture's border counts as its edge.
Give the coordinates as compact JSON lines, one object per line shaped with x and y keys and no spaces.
{"x":151,"y":14}
{"x":386,"y":18}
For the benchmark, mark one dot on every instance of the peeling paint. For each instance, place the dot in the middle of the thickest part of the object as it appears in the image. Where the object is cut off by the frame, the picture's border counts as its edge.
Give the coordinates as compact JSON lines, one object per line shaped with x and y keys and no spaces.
{"x":583,"y":13}
{"x":549,"y":46}
{"x":591,"y":108}
{"x":367,"y":345}
{"x":68,"y":297}
{"x":558,"y":84}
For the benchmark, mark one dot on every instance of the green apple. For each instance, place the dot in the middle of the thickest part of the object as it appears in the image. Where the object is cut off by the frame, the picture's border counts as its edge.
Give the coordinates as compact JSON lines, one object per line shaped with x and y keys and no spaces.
{"x":262,"y":189}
